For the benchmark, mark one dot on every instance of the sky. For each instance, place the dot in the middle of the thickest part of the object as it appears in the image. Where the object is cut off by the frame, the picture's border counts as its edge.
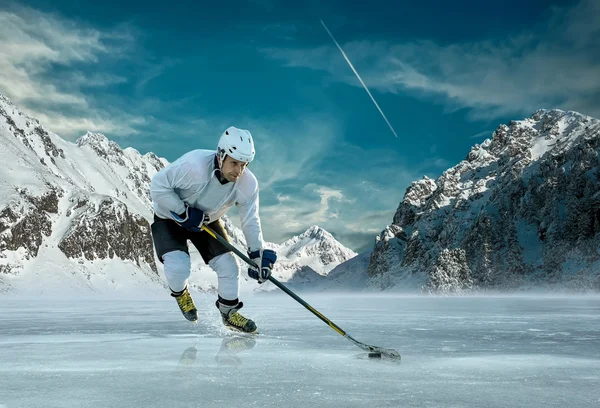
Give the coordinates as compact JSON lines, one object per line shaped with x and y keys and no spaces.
{"x":171,"y":77}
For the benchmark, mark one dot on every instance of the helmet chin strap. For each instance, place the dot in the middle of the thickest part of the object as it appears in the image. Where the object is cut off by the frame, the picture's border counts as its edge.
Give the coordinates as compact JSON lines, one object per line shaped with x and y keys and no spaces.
{"x":218,"y":170}
{"x":221,"y":157}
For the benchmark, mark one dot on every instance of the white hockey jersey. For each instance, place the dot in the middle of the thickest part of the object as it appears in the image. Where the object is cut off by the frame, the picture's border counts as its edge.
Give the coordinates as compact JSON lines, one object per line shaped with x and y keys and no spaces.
{"x":192,"y":179}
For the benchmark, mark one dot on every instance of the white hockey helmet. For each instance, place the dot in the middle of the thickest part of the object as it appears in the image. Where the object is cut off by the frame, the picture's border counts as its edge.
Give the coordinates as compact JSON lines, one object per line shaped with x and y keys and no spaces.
{"x":237,"y":144}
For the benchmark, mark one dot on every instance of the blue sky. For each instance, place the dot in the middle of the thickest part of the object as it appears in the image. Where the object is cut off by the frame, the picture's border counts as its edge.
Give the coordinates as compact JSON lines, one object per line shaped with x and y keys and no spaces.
{"x":169,"y":77}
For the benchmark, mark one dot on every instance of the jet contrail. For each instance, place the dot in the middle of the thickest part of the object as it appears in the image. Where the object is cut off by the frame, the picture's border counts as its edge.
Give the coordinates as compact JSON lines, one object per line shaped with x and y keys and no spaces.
{"x":359,"y":78}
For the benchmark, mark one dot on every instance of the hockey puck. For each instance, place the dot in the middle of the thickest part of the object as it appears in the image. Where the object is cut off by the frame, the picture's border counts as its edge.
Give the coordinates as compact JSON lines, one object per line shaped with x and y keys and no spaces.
{"x":374,"y":355}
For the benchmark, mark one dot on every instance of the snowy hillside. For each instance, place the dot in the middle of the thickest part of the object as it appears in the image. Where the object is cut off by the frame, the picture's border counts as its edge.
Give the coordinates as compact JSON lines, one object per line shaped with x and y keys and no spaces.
{"x":347,"y":276}
{"x":521,"y":211}
{"x":77,"y":215}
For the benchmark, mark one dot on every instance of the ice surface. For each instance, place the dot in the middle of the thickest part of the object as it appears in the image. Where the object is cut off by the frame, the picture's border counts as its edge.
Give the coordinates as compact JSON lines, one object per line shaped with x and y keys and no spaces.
{"x":456,"y":352}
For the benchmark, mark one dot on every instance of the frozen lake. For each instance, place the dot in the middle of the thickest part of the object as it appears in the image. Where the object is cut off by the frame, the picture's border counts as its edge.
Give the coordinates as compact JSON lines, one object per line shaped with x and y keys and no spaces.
{"x":456,"y":352}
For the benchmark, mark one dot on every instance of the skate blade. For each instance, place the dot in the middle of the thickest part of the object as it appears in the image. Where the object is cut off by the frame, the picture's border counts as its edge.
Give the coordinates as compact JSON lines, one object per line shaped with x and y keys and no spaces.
{"x":236,"y":330}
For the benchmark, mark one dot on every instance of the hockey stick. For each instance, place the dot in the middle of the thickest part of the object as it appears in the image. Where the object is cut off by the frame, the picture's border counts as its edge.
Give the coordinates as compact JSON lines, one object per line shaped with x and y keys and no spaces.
{"x":374,"y":351}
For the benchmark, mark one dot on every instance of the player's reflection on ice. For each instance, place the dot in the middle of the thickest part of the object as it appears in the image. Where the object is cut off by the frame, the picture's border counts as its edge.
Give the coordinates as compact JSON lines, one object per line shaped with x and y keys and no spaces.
{"x":227,"y":355}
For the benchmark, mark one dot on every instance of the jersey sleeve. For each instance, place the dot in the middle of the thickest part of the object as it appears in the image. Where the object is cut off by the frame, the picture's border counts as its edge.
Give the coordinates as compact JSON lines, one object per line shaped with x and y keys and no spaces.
{"x":250,"y":221}
{"x":163,"y":188}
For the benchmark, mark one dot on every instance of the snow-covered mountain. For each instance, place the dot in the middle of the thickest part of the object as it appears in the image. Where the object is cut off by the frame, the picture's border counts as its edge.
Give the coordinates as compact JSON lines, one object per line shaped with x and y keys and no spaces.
{"x":77,"y":215}
{"x":521,"y":211}
{"x":303,"y":260}
{"x":316,"y":249}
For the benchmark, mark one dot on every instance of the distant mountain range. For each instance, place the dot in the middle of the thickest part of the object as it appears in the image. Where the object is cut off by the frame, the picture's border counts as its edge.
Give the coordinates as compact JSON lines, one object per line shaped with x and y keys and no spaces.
{"x":521,"y":211}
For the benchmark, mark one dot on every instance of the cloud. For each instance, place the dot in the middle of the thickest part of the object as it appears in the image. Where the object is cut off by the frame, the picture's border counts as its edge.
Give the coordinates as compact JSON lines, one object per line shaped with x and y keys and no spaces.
{"x":62,"y":124}
{"x":154,"y":71}
{"x":552,"y":65}
{"x":32,"y":43}
{"x":282,"y":198}
{"x":288,"y":150}
{"x":94,"y":80}
{"x":485,"y":134}
{"x":322,"y":212}
{"x":48,"y":63}
{"x":312,"y":207}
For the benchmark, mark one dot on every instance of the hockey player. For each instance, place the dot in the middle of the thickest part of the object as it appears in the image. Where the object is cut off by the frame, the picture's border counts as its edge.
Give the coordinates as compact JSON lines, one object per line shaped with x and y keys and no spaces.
{"x":199,"y":188}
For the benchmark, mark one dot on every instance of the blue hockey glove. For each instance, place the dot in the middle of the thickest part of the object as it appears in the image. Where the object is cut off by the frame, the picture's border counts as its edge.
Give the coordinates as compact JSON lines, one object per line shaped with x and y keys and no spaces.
{"x":264,"y":258}
{"x":191,"y":219}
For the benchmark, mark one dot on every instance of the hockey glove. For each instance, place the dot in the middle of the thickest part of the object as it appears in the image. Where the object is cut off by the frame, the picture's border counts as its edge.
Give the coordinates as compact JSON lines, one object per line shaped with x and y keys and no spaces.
{"x":264,"y":258}
{"x":191,"y":219}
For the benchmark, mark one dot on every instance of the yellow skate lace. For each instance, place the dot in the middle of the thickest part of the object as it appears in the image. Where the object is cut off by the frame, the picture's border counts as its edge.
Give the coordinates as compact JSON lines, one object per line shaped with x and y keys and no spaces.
{"x":186,"y":302}
{"x":237,"y":319}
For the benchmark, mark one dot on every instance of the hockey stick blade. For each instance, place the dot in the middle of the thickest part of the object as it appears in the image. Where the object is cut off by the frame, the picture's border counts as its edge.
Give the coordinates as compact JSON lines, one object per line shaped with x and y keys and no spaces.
{"x":374,"y":350}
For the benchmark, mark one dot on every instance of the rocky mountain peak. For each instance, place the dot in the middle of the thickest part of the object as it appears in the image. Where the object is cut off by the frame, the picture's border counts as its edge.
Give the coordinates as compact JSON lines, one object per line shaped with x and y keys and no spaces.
{"x":521,"y":208}
{"x":156,"y":162}
{"x":106,"y":149}
{"x":5,"y":100}
{"x":316,"y":247}
{"x":315,"y":232}
{"x":92,"y":138}
{"x":313,"y":236}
